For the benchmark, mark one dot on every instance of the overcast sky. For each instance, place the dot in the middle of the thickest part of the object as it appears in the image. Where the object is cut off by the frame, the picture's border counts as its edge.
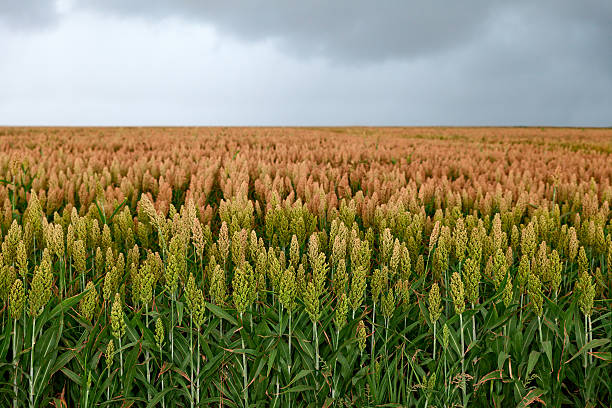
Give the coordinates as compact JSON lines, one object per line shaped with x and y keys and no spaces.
{"x":354,"y":62}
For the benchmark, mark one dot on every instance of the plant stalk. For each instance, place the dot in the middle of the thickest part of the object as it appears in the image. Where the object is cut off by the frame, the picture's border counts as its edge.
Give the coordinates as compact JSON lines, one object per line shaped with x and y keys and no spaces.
{"x":244,"y":369}
{"x":32,"y":363}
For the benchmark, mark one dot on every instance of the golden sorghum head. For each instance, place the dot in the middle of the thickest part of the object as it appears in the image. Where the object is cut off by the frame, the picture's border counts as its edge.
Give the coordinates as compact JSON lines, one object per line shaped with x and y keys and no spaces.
{"x":572,"y":244}
{"x":358,"y":287}
{"x":440,"y":259}
{"x":435,"y":310}
{"x":79,"y":256}
{"x":313,"y":248}
{"x":403,"y":292}
{"x":240,"y":289}
{"x":507,"y":293}
{"x":394,"y":262}
{"x":340,"y":279}
{"x":585,"y":290}
{"x":420,"y":266}
{"x":386,"y":245}
{"x":543,"y":268}
{"x":110,"y":354}
{"x":514,"y":237}
{"x":475,"y":244}
{"x":445,"y":336}
{"x":361,"y":335}
{"x":528,"y":240}
{"x":89,"y":302}
{"x":22,"y":260}
{"x":40,"y":289}
{"x":159,"y":333}
{"x":405,"y":266}
{"x":534,"y":290}
{"x":146,"y":283}
{"x":555,"y":267}
{"x":117,"y":318}
{"x":433,"y":238}
{"x":107,"y":240}
{"x":288,"y":289}
{"x":218,"y":285}
{"x":460,"y":240}
{"x":458,"y":293}
{"x":99,"y":261}
{"x":312,"y":301}
{"x":16,"y":300}
{"x":523,"y":272}
{"x":294,"y":251}
{"x":471,"y":277}
{"x":11,"y":241}
{"x":223,"y":244}
{"x":341,"y":311}
{"x":319,"y":273}
{"x":388,"y":304}
{"x":500,"y":268}
{"x":583,"y":262}
{"x":509,"y":257}
{"x":380,"y":279}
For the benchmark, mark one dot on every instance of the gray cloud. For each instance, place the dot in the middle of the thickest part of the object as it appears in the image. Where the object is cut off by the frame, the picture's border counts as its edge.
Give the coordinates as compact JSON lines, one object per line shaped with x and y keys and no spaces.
{"x":306,"y":63}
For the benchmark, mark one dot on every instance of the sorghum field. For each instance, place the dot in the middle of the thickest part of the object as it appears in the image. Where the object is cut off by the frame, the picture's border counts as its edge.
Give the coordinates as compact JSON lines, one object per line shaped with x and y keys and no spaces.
{"x":238,"y":267}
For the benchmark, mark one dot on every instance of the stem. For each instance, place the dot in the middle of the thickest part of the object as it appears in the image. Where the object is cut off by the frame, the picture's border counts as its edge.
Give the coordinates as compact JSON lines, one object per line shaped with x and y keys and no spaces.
{"x":244,"y":370}
{"x":521,"y":310}
{"x":280,"y":336}
{"x":473,"y":326}
{"x":462,"y":360}
{"x":590,"y":339}
{"x":334,"y":371}
{"x":289,"y":367}
{"x":191,"y":361}
{"x":120,"y":357}
{"x":198,"y":370}
{"x":434,"y":341}
{"x":15,"y":362}
{"x":373,"y":324}
{"x":540,"y":328}
{"x":32,"y":363}
{"x":586,"y":340}
{"x":316,"y":336}
{"x":172,"y":327}
{"x":147,"y":355}
{"x":108,"y":388}
{"x":316,"y":344}
{"x":161,"y":359}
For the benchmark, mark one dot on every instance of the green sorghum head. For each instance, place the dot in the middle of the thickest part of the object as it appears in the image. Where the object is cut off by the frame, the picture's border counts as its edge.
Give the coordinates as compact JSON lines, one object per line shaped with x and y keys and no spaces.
{"x":312,"y":301}
{"x":89,"y":302}
{"x":110,"y":354}
{"x":457,"y":292}
{"x":534,"y":290}
{"x":16,"y":299}
{"x":117,"y":318}
{"x":159,"y":333}
{"x":341,"y":311}
{"x":388,"y":304}
{"x":435,"y":310}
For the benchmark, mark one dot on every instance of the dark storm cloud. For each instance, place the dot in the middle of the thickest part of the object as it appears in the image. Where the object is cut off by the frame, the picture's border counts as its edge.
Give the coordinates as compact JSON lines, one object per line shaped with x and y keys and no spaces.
{"x":366,"y":30}
{"x":355,"y":30}
{"x":314,"y":62}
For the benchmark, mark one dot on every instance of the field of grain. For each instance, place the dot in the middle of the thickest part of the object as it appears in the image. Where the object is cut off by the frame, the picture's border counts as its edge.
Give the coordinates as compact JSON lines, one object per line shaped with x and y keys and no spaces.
{"x":293,"y":267}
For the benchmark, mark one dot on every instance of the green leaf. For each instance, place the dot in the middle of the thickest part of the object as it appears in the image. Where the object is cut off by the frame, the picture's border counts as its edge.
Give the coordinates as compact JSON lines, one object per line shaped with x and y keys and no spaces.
{"x":533,"y":359}
{"x":590,"y":345}
{"x":547,"y":346}
{"x":222,"y":314}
